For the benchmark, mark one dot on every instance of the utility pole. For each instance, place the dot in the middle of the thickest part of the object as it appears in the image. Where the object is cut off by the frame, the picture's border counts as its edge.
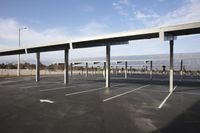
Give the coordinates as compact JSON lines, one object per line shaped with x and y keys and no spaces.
{"x":18,"y":65}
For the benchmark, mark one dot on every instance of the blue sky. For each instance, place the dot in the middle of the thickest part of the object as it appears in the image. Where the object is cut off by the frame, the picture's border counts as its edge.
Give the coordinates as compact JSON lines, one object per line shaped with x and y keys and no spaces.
{"x":53,"y":20}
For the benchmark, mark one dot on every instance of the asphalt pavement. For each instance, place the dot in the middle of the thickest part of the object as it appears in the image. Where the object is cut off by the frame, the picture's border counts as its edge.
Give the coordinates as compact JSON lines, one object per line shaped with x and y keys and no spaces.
{"x":133,"y":105}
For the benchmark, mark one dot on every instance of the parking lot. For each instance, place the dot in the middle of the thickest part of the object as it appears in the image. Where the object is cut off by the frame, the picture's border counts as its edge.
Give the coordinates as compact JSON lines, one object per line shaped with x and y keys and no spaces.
{"x":133,"y":105}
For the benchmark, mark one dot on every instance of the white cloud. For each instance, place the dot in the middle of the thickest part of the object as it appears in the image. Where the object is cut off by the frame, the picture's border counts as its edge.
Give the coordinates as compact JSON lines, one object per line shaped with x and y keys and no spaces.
{"x":117,"y":6}
{"x":91,"y":29}
{"x":188,"y":11}
{"x":123,"y":7}
{"x":87,"y":8}
{"x":9,"y":33}
{"x":141,"y":15}
{"x":125,"y":2}
{"x":8,"y":29}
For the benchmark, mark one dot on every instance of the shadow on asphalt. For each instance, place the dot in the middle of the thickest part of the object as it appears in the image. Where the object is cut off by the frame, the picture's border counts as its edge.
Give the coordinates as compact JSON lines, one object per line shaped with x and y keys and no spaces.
{"x":187,"y":122}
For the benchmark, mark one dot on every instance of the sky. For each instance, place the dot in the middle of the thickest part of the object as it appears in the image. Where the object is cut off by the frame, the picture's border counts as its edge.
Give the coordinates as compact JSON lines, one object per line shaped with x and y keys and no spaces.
{"x":57,"y":20}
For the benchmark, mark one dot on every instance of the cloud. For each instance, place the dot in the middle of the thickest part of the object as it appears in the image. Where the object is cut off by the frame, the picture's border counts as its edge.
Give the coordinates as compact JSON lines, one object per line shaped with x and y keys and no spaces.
{"x":143,"y":16}
{"x":9,"y":33}
{"x":123,"y":7}
{"x":88,"y":8}
{"x":188,"y":11}
{"x":91,"y":29}
{"x":8,"y":29}
{"x":124,"y":2}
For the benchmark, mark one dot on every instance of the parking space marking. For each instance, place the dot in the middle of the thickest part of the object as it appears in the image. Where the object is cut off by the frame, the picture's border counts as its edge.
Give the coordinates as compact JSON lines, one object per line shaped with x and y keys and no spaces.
{"x":189,"y":93}
{"x":110,"y":98}
{"x":154,"y":91}
{"x":163,"y":102}
{"x":91,"y":90}
{"x":27,"y":87}
{"x":6,"y":82}
{"x":46,"y":101}
{"x":53,"y":89}
{"x":13,"y":81}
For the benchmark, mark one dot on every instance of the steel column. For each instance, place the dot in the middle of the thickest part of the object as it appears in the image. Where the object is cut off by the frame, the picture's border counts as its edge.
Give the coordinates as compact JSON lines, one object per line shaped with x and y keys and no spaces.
{"x":86,"y":67}
{"x":181,"y":70}
{"x":37,"y":75}
{"x":116,"y":71}
{"x":107,"y":66}
{"x":104,"y":69}
{"x":18,"y":64}
{"x":130,"y":70}
{"x":171,"y":80}
{"x":151,"y":69}
{"x":66,"y":62}
{"x":126,"y":71}
{"x":71,"y":69}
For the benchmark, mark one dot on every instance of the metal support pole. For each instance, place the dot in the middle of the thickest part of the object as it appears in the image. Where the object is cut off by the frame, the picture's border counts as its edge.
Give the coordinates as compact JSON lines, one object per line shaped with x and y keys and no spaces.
{"x":126,"y":71}
{"x":71,"y":69}
{"x":151,"y":69}
{"x":82,"y":70}
{"x":171,"y":80}
{"x":104,"y":69}
{"x":18,"y":64}
{"x":181,"y":70}
{"x":92,"y":70}
{"x":37,"y":76}
{"x":130,"y":69}
{"x":116,"y":71}
{"x":86,"y":67}
{"x":146,"y":67}
{"x":95,"y":71}
{"x":66,"y":62}
{"x":107,"y":66}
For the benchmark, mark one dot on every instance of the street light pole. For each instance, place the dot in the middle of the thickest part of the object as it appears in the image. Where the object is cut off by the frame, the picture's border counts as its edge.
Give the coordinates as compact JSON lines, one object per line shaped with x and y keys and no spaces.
{"x":18,"y":65}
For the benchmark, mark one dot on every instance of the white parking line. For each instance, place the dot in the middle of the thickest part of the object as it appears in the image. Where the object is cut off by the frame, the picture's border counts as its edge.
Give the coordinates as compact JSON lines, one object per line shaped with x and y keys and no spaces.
{"x":53,"y":89}
{"x":80,"y":92}
{"x":189,"y":93}
{"x":46,"y":101}
{"x":154,"y":91}
{"x":125,"y":93}
{"x":6,"y":82}
{"x":27,"y":87}
{"x":163,"y":102}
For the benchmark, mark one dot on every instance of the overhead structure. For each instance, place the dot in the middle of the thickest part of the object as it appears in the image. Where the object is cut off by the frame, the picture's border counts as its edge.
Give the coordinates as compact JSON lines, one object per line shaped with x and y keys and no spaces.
{"x":166,"y":33}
